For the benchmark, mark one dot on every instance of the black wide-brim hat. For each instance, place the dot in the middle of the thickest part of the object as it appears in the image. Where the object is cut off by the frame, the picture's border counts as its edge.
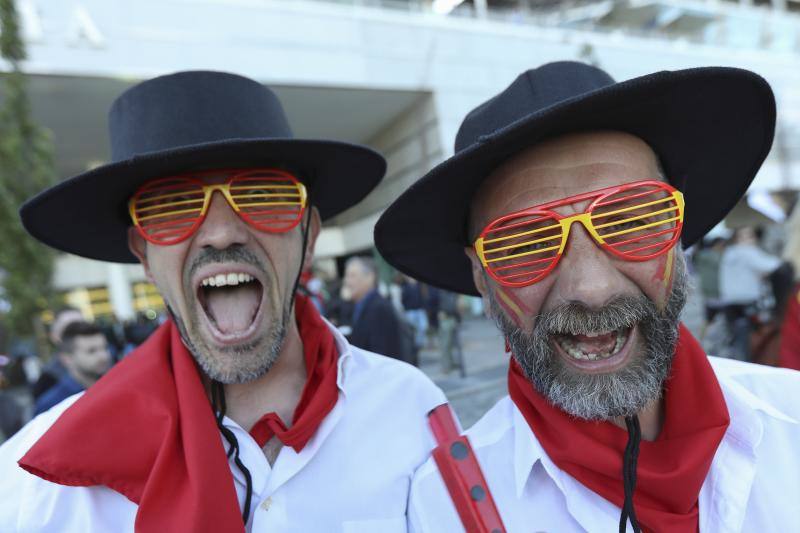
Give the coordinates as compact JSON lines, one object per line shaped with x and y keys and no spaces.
{"x":710,"y":127}
{"x":191,"y":121}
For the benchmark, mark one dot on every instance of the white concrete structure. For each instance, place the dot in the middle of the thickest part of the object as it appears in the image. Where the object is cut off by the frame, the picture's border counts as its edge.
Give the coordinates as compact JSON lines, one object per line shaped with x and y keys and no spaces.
{"x":393,"y":75}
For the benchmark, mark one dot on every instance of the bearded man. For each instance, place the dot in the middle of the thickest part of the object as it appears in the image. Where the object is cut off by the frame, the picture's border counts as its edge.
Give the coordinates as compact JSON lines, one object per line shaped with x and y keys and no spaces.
{"x":246,"y":410}
{"x":564,"y":208}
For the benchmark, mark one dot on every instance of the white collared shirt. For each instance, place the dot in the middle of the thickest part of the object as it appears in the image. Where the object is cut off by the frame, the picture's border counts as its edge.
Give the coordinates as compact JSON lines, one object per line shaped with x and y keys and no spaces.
{"x":352,"y":476}
{"x":753,"y":484}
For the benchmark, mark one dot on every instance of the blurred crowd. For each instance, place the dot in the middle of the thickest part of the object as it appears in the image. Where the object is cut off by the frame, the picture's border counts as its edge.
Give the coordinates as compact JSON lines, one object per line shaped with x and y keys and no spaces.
{"x":748,"y":281}
{"x":81,"y":352}
{"x":398,"y":319}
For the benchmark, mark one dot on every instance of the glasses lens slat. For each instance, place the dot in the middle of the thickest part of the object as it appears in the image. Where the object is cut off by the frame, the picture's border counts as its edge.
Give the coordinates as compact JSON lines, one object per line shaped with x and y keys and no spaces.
{"x":273,"y":203}
{"x":637,"y":230}
{"x":523,"y":264}
{"x":521,"y":234}
{"x":520,"y":244}
{"x":523,"y":254}
{"x":166,"y":210}
{"x":170,"y":205}
{"x":631,"y":194}
{"x":645,"y":236}
{"x":646,"y":247}
{"x":631,"y":208}
{"x":533,"y":273}
{"x":635,"y":218}
{"x":521,"y":249}
{"x":640,"y":228}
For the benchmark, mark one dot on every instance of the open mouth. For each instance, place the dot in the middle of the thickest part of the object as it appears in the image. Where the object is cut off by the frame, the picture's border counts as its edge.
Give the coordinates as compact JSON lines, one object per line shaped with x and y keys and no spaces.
{"x":231,"y":302}
{"x":593,"y":346}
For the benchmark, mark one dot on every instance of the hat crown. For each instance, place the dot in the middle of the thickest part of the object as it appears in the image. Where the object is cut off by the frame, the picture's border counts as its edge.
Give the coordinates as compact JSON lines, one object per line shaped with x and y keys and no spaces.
{"x":191,"y":108}
{"x":532,"y":91}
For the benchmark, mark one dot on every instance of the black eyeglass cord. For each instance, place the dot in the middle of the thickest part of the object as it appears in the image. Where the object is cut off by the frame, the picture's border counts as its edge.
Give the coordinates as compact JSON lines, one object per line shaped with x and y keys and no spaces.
{"x":303,"y":251}
{"x":629,"y":461}
{"x":218,"y":400}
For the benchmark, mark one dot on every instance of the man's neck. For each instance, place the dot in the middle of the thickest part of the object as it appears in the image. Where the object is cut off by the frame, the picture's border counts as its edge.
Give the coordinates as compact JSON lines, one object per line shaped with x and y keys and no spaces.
{"x":276,"y":391}
{"x":651,"y":419}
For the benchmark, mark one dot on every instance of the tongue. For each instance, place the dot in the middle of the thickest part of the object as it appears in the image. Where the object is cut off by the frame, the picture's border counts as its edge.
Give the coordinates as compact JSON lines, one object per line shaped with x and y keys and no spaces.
{"x":599,"y":344}
{"x":233,"y":308}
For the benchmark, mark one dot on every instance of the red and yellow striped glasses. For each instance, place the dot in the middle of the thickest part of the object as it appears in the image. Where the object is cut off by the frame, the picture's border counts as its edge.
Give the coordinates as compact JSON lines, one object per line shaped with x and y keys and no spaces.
{"x":169,"y":210}
{"x":636,"y":222}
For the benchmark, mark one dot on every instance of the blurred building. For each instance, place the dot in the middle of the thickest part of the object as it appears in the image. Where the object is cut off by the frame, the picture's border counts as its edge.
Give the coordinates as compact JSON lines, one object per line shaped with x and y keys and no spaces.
{"x":398,"y":76}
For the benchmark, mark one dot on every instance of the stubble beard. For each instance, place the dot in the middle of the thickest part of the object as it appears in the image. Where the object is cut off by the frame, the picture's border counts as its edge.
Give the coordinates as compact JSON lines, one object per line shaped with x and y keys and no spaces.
{"x":243,"y":362}
{"x":600,"y":396}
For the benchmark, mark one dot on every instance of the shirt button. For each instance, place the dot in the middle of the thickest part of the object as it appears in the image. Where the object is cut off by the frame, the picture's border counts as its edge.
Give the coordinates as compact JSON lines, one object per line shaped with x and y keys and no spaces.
{"x":265,"y":505}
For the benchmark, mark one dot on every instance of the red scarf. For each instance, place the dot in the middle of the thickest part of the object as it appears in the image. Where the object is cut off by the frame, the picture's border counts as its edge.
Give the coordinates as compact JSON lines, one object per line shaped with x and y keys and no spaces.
{"x":320,"y":391}
{"x":670,"y":470}
{"x":789,"y":355}
{"x":147,"y":431}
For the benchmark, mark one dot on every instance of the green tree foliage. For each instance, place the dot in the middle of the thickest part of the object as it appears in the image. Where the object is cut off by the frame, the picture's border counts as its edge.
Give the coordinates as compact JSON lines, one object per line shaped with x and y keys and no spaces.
{"x":26,"y":167}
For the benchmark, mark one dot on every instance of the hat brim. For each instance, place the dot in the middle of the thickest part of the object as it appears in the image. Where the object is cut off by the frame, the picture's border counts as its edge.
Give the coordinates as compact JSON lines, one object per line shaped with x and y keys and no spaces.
{"x":711,"y":127}
{"x":87,"y":215}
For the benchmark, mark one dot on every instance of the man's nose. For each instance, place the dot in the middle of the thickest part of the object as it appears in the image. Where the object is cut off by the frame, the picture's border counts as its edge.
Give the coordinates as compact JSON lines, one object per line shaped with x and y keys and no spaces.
{"x":586,"y":273}
{"x":222,"y":227}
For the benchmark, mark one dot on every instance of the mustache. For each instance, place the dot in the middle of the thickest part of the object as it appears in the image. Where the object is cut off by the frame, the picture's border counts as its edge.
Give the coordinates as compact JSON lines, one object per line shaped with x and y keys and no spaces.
{"x":232,"y":254}
{"x":576,"y":318}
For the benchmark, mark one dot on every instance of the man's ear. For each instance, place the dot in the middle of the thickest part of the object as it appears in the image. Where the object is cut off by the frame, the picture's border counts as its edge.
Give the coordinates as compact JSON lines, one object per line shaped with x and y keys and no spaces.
{"x":477,"y":270}
{"x":138,"y":247}
{"x":479,"y":278}
{"x":313,"y":232}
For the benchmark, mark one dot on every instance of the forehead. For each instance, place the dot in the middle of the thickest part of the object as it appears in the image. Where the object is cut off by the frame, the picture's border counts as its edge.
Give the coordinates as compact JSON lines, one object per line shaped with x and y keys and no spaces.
{"x":562,"y":167}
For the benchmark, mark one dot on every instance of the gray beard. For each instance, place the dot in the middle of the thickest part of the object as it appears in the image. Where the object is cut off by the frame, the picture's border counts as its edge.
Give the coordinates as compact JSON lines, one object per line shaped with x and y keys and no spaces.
{"x":600,"y":396}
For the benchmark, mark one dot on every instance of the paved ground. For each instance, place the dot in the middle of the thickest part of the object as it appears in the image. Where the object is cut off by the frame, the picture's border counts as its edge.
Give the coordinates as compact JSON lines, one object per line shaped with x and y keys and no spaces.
{"x":486,"y":366}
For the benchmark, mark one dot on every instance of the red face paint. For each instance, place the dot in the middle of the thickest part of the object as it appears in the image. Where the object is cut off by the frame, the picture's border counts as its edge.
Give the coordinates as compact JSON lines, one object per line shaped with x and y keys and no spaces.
{"x":663,"y":273}
{"x":510,"y":306}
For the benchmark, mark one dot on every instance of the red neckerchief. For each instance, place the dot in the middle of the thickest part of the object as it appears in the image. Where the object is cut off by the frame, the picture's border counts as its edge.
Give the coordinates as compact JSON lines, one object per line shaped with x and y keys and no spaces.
{"x":789,"y":355}
{"x":670,"y":470}
{"x":147,"y":431}
{"x":320,"y":391}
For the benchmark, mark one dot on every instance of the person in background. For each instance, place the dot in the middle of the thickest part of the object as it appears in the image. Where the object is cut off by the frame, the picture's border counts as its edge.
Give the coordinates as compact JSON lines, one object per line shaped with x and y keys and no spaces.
{"x":789,"y":351}
{"x":449,"y":320}
{"x":84,"y":353}
{"x":744,"y":270}
{"x":11,"y":413}
{"x":414,"y":305}
{"x":431,"y":298}
{"x":375,"y":325}
{"x":54,"y":370}
{"x":706,"y":262}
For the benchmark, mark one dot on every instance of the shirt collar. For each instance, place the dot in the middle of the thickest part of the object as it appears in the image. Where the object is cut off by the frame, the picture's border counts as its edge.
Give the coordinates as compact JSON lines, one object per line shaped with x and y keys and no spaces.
{"x":746,"y":412}
{"x":345,"y":357}
{"x":527,"y":452}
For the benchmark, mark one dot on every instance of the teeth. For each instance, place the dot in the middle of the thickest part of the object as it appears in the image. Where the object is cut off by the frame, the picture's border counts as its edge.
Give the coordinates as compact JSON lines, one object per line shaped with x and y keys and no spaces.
{"x":222,"y":280}
{"x":572,"y":350}
{"x":593,"y":334}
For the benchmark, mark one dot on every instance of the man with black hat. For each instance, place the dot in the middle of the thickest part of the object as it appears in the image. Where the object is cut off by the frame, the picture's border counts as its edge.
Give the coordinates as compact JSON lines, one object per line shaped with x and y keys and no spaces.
{"x":246,"y":411}
{"x":564,"y":207}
